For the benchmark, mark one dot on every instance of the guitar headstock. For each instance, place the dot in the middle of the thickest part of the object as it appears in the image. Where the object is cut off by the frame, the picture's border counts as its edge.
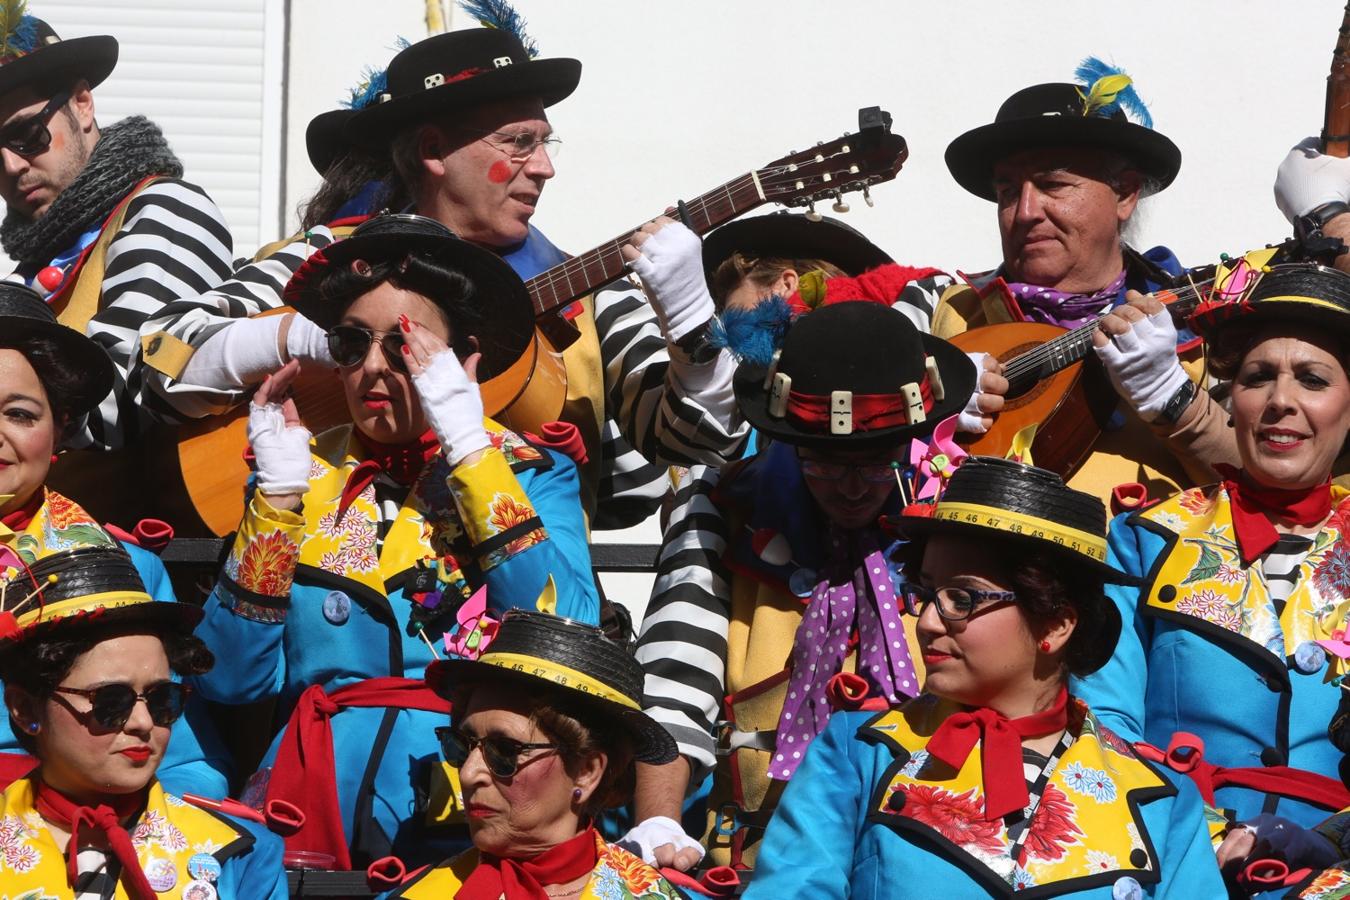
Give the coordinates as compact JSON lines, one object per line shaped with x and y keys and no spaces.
{"x":830,"y":170}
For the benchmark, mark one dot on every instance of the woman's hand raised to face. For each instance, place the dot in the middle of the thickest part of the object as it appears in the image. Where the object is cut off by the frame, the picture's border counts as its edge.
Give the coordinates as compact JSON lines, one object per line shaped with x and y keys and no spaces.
{"x":448,"y":391}
{"x":280,"y":441}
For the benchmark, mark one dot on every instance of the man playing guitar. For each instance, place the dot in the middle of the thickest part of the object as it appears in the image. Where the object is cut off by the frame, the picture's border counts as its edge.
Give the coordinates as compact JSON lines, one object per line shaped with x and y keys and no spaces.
{"x":1067,"y":169}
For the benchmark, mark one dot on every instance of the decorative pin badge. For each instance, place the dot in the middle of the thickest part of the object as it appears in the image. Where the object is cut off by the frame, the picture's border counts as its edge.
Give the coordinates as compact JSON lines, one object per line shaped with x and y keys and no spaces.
{"x":337,"y":607}
{"x":204,"y":867}
{"x":199,"y":890}
{"x":161,"y":874}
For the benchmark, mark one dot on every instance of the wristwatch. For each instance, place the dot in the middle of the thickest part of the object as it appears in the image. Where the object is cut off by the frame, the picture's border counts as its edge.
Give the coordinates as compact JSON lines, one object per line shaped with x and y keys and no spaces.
{"x":698,"y":346}
{"x":1171,"y":413}
{"x":1308,"y":231}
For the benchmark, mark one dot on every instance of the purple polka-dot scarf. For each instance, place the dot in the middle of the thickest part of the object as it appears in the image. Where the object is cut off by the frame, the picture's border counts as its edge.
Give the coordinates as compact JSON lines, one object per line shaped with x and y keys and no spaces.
{"x":1043,"y":304}
{"x":859,"y":596}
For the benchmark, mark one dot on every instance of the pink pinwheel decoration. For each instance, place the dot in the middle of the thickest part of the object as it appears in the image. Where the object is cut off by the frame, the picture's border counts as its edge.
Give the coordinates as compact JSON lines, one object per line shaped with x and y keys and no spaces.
{"x":1339,"y":645}
{"x":936,"y":460}
{"x":476,"y":628}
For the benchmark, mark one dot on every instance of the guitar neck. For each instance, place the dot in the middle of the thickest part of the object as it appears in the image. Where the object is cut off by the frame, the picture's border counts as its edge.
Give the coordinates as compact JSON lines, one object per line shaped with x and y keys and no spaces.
{"x":582,"y":274}
{"x":1041,"y":362}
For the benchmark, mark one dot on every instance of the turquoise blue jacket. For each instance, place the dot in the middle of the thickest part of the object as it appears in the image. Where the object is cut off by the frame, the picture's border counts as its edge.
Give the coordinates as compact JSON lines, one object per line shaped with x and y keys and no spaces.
{"x":304,"y":599}
{"x":1204,"y":650}
{"x":865,"y":818}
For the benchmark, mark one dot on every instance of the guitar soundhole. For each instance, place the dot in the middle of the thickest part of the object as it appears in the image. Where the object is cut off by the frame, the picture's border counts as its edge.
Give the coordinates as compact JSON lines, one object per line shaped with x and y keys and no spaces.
{"x":1026,"y":388}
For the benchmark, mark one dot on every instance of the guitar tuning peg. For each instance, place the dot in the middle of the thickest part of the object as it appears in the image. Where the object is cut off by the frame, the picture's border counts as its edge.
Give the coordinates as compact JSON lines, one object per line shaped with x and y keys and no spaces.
{"x":811,"y":214}
{"x":839,"y":205}
{"x":867,"y":196}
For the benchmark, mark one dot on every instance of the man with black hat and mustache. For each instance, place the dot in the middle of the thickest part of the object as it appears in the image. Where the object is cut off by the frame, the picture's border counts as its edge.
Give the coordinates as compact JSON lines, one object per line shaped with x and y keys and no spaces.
{"x":99,"y":220}
{"x":1067,"y":167}
{"x":463,"y":120}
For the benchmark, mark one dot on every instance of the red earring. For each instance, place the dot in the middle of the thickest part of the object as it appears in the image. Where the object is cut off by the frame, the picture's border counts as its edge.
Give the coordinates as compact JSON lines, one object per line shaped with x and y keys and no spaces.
{"x":1045,"y":646}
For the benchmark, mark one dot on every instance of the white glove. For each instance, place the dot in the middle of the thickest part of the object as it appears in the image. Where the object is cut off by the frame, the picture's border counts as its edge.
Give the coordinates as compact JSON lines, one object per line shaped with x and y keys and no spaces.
{"x":308,"y":343}
{"x":1307,"y":178}
{"x":1143,"y":366}
{"x":236,"y":356}
{"x":453,"y":405}
{"x":971,"y":419}
{"x":281,"y":453}
{"x":671,"y":268}
{"x":643,"y":839}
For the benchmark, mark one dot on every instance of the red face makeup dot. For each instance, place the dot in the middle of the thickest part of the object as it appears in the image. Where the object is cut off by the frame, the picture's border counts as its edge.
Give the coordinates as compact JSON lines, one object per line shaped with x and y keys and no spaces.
{"x":499,"y":172}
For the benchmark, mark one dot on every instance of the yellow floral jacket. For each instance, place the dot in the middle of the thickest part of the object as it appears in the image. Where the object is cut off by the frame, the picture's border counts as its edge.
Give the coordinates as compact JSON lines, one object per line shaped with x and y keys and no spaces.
{"x":171,"y":840}
{"x":618,"y":875}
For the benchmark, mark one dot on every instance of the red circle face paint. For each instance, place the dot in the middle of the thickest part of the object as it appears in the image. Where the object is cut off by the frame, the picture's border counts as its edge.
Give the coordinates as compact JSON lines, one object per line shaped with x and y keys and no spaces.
{"x":499,"y":172}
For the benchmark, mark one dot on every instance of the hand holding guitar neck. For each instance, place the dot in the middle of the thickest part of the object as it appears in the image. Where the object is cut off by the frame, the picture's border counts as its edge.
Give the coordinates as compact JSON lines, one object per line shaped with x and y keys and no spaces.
{"x":668,"y":257}
{"x":280,"y":441}
{"x":1137,"y":344}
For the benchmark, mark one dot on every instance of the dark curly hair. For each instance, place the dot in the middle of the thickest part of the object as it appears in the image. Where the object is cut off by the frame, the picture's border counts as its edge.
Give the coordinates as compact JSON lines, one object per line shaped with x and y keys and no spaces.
{"x":420,"y":272}
{"x":580,"y":730}
{"x":38,"y":665}
{"x":347,"y":176}
{"x":1228,"y":345}
{"x":57,"y":374}
{"x":1045,"y":583}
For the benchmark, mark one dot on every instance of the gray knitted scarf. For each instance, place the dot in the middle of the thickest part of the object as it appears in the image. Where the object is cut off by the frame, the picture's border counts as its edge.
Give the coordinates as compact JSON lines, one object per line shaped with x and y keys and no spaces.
{"x":126,"y":152}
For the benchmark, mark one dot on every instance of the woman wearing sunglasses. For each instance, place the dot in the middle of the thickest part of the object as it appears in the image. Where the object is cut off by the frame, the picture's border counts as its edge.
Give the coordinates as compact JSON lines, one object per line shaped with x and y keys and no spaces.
{"x":361,"y":553}
{"x":546,"y":728}
{"x":90,"y":662}
{"x":50,"y":376}
{"x":995,"y":780}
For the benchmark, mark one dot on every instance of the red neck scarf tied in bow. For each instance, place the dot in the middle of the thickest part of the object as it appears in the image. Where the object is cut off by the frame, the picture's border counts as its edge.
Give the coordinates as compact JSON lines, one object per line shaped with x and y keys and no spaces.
{"x":107,"y":818}
{"x":21,"y":518}
{"x":524,"y":879}
{"x":1000,"y":740}
{"x":1250,"y":503}
{"x":401,"y":462}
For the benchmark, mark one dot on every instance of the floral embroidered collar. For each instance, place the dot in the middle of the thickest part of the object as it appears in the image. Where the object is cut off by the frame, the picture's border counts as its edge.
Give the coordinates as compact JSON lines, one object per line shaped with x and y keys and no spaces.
{"x":1201,"y":581}
{"x":1086,"y":820}
{"x":618,"y":875}
{"x":58,"y":525}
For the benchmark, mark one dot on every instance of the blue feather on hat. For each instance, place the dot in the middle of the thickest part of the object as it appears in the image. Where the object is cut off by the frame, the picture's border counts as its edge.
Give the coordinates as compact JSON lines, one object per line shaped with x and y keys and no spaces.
{"x":503,"y":16}
{"x":18,"y":30}
{"x":1098,"y":78}
{"x":752,"y":335}
{"x":374,"y":82}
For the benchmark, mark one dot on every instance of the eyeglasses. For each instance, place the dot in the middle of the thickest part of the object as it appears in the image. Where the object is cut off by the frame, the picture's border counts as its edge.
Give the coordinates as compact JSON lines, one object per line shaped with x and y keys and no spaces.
{"x":521,"y":146}
{"x":502,"y":754}
{"x":111,"y":704}
{"x":956,"y":604}
{"x":349,"y":345}
{"x":877,"y":473}
{"x":30,"y":136}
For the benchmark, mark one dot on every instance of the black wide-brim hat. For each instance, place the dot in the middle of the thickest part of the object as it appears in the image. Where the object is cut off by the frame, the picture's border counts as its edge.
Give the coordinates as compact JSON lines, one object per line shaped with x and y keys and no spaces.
{"x":1033,"y":507}
{"x":458,"y":69}
{"x":24,"y":314}
{"x":532,"y":649}
{"x":1051,"y":115}
{"x":324,"y":138}
{"x":94,"y":588}
{"x":868,"y":349}
{"x":793,"y":236}
{"x":1287,"y":294}
{"x":51,"y":63}
{"x":507,"y":321}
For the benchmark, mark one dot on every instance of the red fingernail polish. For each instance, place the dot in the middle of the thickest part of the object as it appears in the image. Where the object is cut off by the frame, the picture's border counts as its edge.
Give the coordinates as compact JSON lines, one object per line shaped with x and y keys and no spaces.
{"x":406,"y":350}
{"x":404,"y":323}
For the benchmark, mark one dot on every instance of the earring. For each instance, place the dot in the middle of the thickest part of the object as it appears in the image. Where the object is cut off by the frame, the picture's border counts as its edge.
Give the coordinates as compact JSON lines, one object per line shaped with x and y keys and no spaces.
{"x":1045,"y":646}
{"x":1230,"y":421}
{"x":576,"y":795}
{"x":32,"y":727}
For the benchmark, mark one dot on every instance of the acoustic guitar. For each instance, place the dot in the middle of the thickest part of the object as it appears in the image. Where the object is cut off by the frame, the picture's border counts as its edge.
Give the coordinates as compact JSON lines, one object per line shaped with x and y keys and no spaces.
{"x":531,"y":389}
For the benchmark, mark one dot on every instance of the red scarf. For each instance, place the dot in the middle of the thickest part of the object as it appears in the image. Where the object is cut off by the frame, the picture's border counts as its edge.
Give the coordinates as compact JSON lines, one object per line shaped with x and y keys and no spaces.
{"x":1250,"y":503}
{"x":401,"y":462}
{"x":524,"y":879}
{"x":304,"y":772}
{"x":21,"y":518}
{"x":107,"y":817}
{"x":1000,"y":739}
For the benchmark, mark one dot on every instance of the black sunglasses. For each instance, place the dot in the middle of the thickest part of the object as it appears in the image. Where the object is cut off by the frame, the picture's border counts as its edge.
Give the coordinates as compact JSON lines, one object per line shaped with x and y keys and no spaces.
{"x":502,"y":754}
{"x":111,"y":704}
{"x":30,"y":136}
{"x":349,"y":345}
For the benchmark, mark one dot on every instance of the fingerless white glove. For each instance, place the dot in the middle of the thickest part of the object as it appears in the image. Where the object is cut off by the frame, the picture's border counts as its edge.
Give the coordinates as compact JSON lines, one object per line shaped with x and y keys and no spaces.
{"x":453,"y":406}
{"x":281,"y":453}
{"x":1143,"y":365}
{"x":1307,"y":178}
{"x":671,"y":268}
{"x":308,"y":343}
{"x":969,"y":422}
{"x":644,"y":838}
